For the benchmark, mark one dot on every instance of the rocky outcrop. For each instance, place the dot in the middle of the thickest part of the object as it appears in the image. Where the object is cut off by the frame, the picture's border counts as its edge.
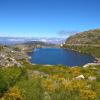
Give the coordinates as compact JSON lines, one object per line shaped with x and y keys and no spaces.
{"x":80,"y":77}
{"x":91,"y":64}
{"x":10,"y":57}
{"x":92,"y":78}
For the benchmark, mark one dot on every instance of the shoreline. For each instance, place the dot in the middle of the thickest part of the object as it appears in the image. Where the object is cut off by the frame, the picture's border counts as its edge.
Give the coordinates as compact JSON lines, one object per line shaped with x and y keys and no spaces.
{"x":96,"y":58}
{"x":95,"y":62}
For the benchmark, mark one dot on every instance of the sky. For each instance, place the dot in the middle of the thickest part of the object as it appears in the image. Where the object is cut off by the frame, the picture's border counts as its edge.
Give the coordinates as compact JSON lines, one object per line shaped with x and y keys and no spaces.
{"x":48,"y":18}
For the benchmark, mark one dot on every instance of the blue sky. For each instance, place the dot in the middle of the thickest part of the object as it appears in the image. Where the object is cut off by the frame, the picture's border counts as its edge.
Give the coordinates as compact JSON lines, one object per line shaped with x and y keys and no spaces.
{"x":46,"y":18}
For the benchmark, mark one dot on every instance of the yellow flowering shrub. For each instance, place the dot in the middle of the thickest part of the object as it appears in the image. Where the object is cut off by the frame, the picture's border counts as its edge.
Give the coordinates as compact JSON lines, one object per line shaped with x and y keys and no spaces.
{"x":48,"y":85}
{"x":12,"y":94}
{"x":89,"y":94}
{"x":57,"y":77}
{"x":73,"y":84}
{"x":74,"y":71}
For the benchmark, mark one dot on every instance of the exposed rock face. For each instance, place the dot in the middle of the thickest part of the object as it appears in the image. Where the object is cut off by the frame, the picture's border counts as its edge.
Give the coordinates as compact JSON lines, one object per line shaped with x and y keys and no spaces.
{"x":10,"y":57}
{"x":91,"y":64}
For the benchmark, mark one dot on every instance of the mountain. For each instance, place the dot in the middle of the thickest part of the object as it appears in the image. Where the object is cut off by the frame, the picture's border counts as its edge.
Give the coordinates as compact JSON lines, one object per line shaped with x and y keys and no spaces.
{"x":12,"y":40}
{"x":19,"y":40}
{"x":41,"y":43}
{"x":85,"y":42}
{"x":30,"y":45}
{"x":87,"y":37}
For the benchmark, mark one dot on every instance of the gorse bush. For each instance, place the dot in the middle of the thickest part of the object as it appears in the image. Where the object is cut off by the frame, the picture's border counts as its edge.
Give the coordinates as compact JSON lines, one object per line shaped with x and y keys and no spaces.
{"x":12,"y":94}
{"x":3,"y":82}
{"x":38,"y":82}
{"x":8,"y":77}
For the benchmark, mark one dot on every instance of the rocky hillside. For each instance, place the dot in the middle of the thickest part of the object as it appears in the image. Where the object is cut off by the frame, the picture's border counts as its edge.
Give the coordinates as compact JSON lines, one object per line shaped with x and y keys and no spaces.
{"x":87,"y":37}
{"x":11,"y":56}
{"x":15,"y":54}
{"x":85,"y":42}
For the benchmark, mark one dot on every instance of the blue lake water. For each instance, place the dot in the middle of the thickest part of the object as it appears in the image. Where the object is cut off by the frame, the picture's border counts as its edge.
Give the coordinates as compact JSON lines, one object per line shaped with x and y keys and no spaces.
{"x":55,"y":56}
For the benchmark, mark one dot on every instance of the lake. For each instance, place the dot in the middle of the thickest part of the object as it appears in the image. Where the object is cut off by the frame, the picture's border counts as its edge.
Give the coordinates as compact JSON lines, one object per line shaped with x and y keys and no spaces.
{"x":56,"y":56}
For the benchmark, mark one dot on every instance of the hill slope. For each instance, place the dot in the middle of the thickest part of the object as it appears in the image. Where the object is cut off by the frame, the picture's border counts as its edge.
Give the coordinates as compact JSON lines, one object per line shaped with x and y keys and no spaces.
{"x":87,"y":37}
{"x":11,"y":56}
{"x":85,"y":42}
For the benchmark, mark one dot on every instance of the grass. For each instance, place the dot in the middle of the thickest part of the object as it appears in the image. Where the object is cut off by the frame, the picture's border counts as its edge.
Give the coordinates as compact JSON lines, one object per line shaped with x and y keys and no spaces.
{"x":38,"y":82}
{"x":88,"y":49}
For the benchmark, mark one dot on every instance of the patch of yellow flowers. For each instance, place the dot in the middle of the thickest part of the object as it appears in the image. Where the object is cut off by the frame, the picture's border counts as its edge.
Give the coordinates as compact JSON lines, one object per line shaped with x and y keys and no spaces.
{"x":12,"y":94}
{"x":48,"y":85}
{"x":88,"y":94}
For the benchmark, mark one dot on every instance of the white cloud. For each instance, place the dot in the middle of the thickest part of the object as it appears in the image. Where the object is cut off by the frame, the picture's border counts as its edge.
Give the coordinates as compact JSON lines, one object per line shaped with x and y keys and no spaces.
{"x":66,"y":33}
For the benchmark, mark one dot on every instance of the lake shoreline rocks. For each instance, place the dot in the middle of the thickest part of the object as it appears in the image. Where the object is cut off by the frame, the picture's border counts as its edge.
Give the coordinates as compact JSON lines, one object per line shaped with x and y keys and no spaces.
{"x":23,"y":54}
{"x":91,"y":64}
{"x":95,"y":62}
{"x":61,"y":52}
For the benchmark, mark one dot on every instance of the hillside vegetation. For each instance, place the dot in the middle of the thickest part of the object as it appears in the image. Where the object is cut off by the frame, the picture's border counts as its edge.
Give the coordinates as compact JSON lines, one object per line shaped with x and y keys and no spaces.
{"x":38,"y":82}
{"x":20,"y":80}
{"x":85,"y":42}
{"x":87,"y":37}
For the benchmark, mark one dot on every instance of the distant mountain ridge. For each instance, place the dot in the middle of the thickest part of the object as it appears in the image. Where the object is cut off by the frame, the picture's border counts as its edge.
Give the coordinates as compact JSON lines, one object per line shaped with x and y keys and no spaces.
{"x":86,"y":37}
{"x":19,"y":40}
{"x":30,"y":43}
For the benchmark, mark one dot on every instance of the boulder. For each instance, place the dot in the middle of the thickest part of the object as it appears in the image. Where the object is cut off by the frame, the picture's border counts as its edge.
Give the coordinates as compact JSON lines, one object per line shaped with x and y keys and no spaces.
{"x":80,"y":77}
{"x":91,"y":78}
